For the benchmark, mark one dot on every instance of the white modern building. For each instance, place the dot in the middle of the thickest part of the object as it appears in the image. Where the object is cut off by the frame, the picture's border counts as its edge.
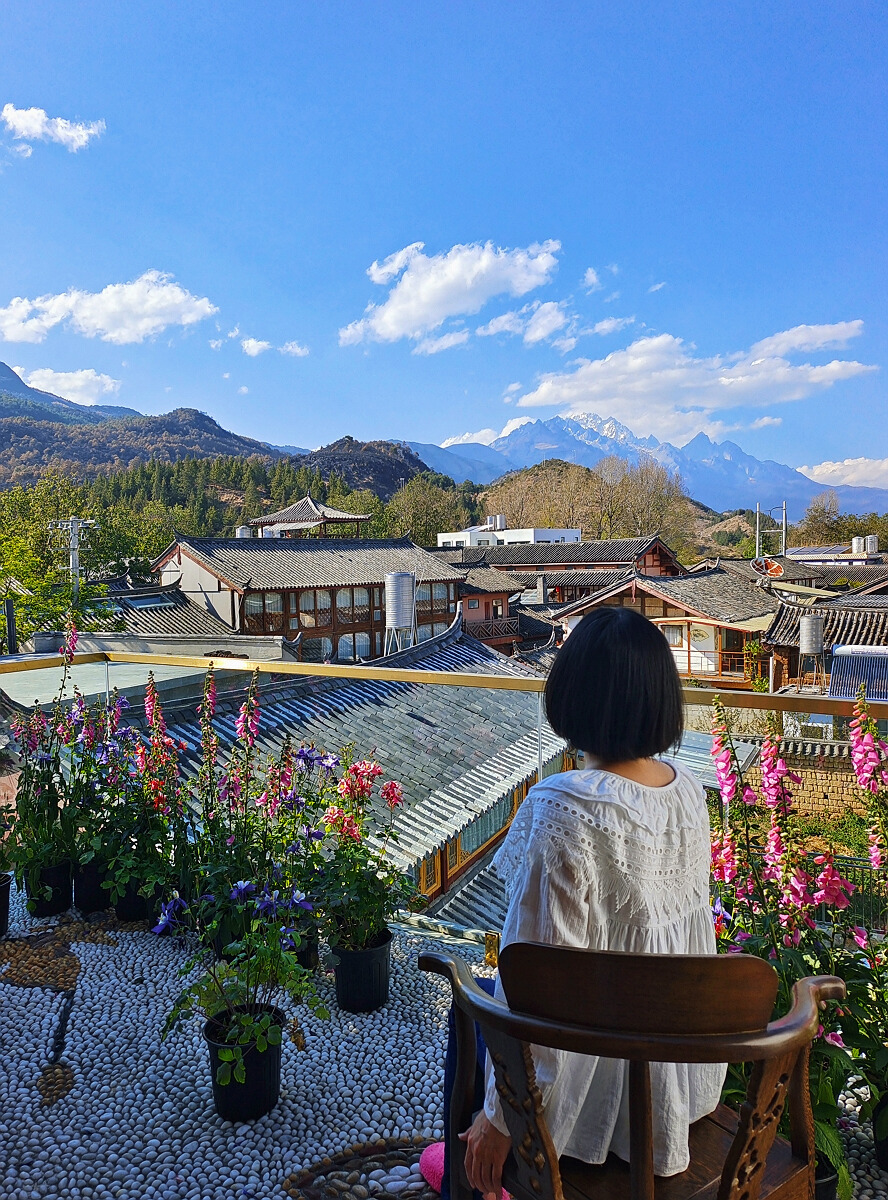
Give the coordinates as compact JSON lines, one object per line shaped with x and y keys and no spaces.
{"x":494,"y":533}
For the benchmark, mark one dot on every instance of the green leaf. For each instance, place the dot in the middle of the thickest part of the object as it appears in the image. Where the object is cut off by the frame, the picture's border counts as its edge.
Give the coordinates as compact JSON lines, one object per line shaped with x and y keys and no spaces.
{"x":240,"y":1073}
{"x":261,"y":1043}
{"x":223,"y":1074}
{"x":274,"y":1037}
{"x":226,"y":1055}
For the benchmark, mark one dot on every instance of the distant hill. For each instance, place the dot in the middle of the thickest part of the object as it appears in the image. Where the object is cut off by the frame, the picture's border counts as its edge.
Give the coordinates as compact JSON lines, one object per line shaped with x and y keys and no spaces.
{"x":18,"y":399}
{"x":382,"y":467}
{"x":30,"y":447}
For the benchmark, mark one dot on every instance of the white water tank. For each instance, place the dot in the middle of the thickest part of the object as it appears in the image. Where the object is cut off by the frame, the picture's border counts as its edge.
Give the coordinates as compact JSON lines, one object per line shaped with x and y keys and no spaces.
{"x":858,"y":545}
{"x":872,"y":543}
{"x":243,"y":531}
{"x":400,"y":589}
{"x":811,"y":633}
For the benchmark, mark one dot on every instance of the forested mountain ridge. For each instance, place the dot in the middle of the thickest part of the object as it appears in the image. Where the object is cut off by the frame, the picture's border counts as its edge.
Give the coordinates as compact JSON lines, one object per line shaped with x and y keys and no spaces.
{"x":28,"y":448}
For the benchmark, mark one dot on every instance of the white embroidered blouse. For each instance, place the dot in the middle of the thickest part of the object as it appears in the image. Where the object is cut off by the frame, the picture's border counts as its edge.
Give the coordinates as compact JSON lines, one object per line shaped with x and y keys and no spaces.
{"x":596,"y":861}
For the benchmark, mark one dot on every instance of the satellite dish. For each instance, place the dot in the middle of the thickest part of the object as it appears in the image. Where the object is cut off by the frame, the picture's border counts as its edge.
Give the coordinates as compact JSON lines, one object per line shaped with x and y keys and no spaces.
{"x":769,"y":567}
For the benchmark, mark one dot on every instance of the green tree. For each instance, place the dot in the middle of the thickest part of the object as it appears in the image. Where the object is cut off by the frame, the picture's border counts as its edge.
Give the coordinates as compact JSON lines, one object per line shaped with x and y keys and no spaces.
{"x":422,"y":510}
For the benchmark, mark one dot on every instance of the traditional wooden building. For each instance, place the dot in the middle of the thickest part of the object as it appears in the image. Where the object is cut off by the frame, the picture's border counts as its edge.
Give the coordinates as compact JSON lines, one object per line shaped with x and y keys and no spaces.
{"x":486,"y":611}
{"x":332,"y":591}
{"x":847,"y":621}
{"x":713,"y":620}
{"x":307,"y":518}
{"x":649,"y":555}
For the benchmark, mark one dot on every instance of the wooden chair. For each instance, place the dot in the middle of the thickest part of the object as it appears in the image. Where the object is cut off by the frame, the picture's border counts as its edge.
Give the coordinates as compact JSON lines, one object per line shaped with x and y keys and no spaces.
{"x":643,"y":1008}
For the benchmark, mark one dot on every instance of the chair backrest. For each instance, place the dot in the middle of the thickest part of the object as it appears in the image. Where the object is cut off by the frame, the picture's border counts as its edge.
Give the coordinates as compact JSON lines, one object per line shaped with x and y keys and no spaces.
{"x":644,"y":1008}
{"x":649,"y":994}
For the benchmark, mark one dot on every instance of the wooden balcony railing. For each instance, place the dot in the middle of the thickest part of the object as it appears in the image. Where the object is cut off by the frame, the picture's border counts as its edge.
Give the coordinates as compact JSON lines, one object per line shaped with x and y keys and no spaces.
{"x":500,"y":627}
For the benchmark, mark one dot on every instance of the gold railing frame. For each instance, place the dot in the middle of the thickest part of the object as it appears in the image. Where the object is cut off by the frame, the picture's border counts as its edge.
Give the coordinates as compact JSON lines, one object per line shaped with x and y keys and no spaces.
{"x":763,"y":701}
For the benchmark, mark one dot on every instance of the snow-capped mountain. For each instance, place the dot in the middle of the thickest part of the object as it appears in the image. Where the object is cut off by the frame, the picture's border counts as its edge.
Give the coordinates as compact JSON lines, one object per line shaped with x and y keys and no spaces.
{"x":719,"y":474}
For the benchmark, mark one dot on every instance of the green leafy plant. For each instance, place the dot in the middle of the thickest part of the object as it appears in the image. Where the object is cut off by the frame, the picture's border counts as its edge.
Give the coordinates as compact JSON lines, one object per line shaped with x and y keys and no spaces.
{"x":775,"y":900}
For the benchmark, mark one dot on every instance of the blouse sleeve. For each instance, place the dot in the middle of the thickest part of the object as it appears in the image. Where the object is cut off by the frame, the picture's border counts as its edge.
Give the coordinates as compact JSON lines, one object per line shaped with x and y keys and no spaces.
{"x":549,"y":903}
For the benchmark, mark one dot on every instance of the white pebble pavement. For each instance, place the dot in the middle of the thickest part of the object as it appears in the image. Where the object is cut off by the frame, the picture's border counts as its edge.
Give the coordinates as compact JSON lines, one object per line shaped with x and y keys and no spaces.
{"x":139,"y":1120}
{"x":139,"y":1123}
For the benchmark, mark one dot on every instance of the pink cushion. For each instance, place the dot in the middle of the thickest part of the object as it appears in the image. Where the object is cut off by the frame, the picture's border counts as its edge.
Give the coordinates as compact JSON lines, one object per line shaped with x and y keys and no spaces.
{"x":431,"y":1167}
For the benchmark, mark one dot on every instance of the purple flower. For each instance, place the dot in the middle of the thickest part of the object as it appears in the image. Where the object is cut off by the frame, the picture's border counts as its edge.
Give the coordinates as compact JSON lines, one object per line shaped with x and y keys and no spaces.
{"x":268,"y":903}
{"x":298,"y":900}
{"x":168,"y":911}
{"x":242,"y":889}
{"x":329,"y":763}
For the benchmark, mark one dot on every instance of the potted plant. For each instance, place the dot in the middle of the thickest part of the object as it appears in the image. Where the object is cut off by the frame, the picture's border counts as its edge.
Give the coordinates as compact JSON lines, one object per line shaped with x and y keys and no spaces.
{"x":775,"y":900}
{"x":239,"y":998}
{"x":361,"y":889}
{"x":150,"y":803}
{"x":7,"y":817}
{"x":45,"y":821}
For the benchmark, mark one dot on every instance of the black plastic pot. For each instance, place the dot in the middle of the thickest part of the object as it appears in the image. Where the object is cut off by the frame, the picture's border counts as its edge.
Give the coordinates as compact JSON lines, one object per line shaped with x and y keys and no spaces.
{"x":5,"y":885}
{"x":89,"y":895}
{"x":826,"y":1182}
{"x":261,"y":1089}
{"x":880,"y":1130}
{"x":134,"y":907}
{"x":362,"y":976}
{"x":58,"y":878}
{"x":308,"y":954}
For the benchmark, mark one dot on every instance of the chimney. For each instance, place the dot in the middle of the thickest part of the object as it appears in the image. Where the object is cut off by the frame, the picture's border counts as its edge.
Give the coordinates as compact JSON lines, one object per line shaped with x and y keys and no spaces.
{"x":541,"y":588}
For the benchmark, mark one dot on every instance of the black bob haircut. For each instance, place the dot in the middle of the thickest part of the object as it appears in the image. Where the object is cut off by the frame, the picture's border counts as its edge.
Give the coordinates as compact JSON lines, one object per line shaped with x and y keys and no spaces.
{"x":614,"y":690}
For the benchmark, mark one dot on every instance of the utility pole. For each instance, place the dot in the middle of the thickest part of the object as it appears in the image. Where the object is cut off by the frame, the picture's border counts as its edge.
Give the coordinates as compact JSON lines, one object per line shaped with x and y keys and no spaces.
{"x":758,"y":530}
{"x":74,"y":528}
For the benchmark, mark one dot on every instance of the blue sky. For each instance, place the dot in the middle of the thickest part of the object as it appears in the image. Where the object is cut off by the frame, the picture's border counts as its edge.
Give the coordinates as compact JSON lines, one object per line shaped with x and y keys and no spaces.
{"x":672,"y":214}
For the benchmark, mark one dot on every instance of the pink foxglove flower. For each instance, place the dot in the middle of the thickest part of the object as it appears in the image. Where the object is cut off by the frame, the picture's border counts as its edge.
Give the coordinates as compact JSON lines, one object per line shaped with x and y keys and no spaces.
{"x":831,"y":888}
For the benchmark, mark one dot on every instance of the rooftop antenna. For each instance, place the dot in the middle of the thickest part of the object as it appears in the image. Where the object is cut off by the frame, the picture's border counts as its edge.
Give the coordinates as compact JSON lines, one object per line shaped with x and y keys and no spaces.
{"x":73,"y":527}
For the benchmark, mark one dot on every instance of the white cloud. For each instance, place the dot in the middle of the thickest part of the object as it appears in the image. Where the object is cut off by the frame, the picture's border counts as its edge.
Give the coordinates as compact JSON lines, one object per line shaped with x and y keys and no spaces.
{"x":294,"y":349}
{"x":765,"y":422}
{"x":254,"y":347}
{"x":226,"y":374}
{"x":216,"y":343}
{"x":564,"y":344}
{"x":243,"y":391}
{"x":612,"y":325}
{"x":658,"y":385}
{"x":483,"y":436}
{"x":33,"y":124}
{"x":547,"y":319}
{"x":83,"y":387}
{"x":862,"y":472}
{"x":434,"y":345}
{"x":121,"y":313}
{"x":486,"y":436}
{"x":536,"y":322}
{"x":23,"y":150}
{"x":656,"y":287}
{"x":807,"y":337}
{"x":591,"y":281}
{"x":508,"y":322}
{"x":511,"y":389}
{"x":613,"y":296}
{"x":432,"y":288}
{"x":613,"y":268}
{"x":233,"y":333}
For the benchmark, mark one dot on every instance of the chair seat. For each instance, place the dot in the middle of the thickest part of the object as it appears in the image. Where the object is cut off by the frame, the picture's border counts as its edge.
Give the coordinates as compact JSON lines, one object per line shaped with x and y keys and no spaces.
{"x":786,"y":1177}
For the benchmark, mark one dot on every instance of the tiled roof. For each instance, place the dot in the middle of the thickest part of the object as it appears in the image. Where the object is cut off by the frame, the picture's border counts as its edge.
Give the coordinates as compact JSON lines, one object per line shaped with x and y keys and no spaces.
{"x":619,"y":550}
{"x":717,"y":594}
{"x":596,"y":579}
{"x":164,"y":612}
{"x":457,"y":751}
{"x":793,"y":572}
{"x":848,"y":621}
{"x":309,"y":512}
{"x":309,"y":562}
{"x":853,"y":577}
{"x":484,"y":580}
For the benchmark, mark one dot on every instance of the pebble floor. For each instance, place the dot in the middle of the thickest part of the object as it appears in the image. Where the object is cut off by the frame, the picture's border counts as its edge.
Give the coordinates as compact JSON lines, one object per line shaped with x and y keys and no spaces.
{"x":93,"y":1106}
